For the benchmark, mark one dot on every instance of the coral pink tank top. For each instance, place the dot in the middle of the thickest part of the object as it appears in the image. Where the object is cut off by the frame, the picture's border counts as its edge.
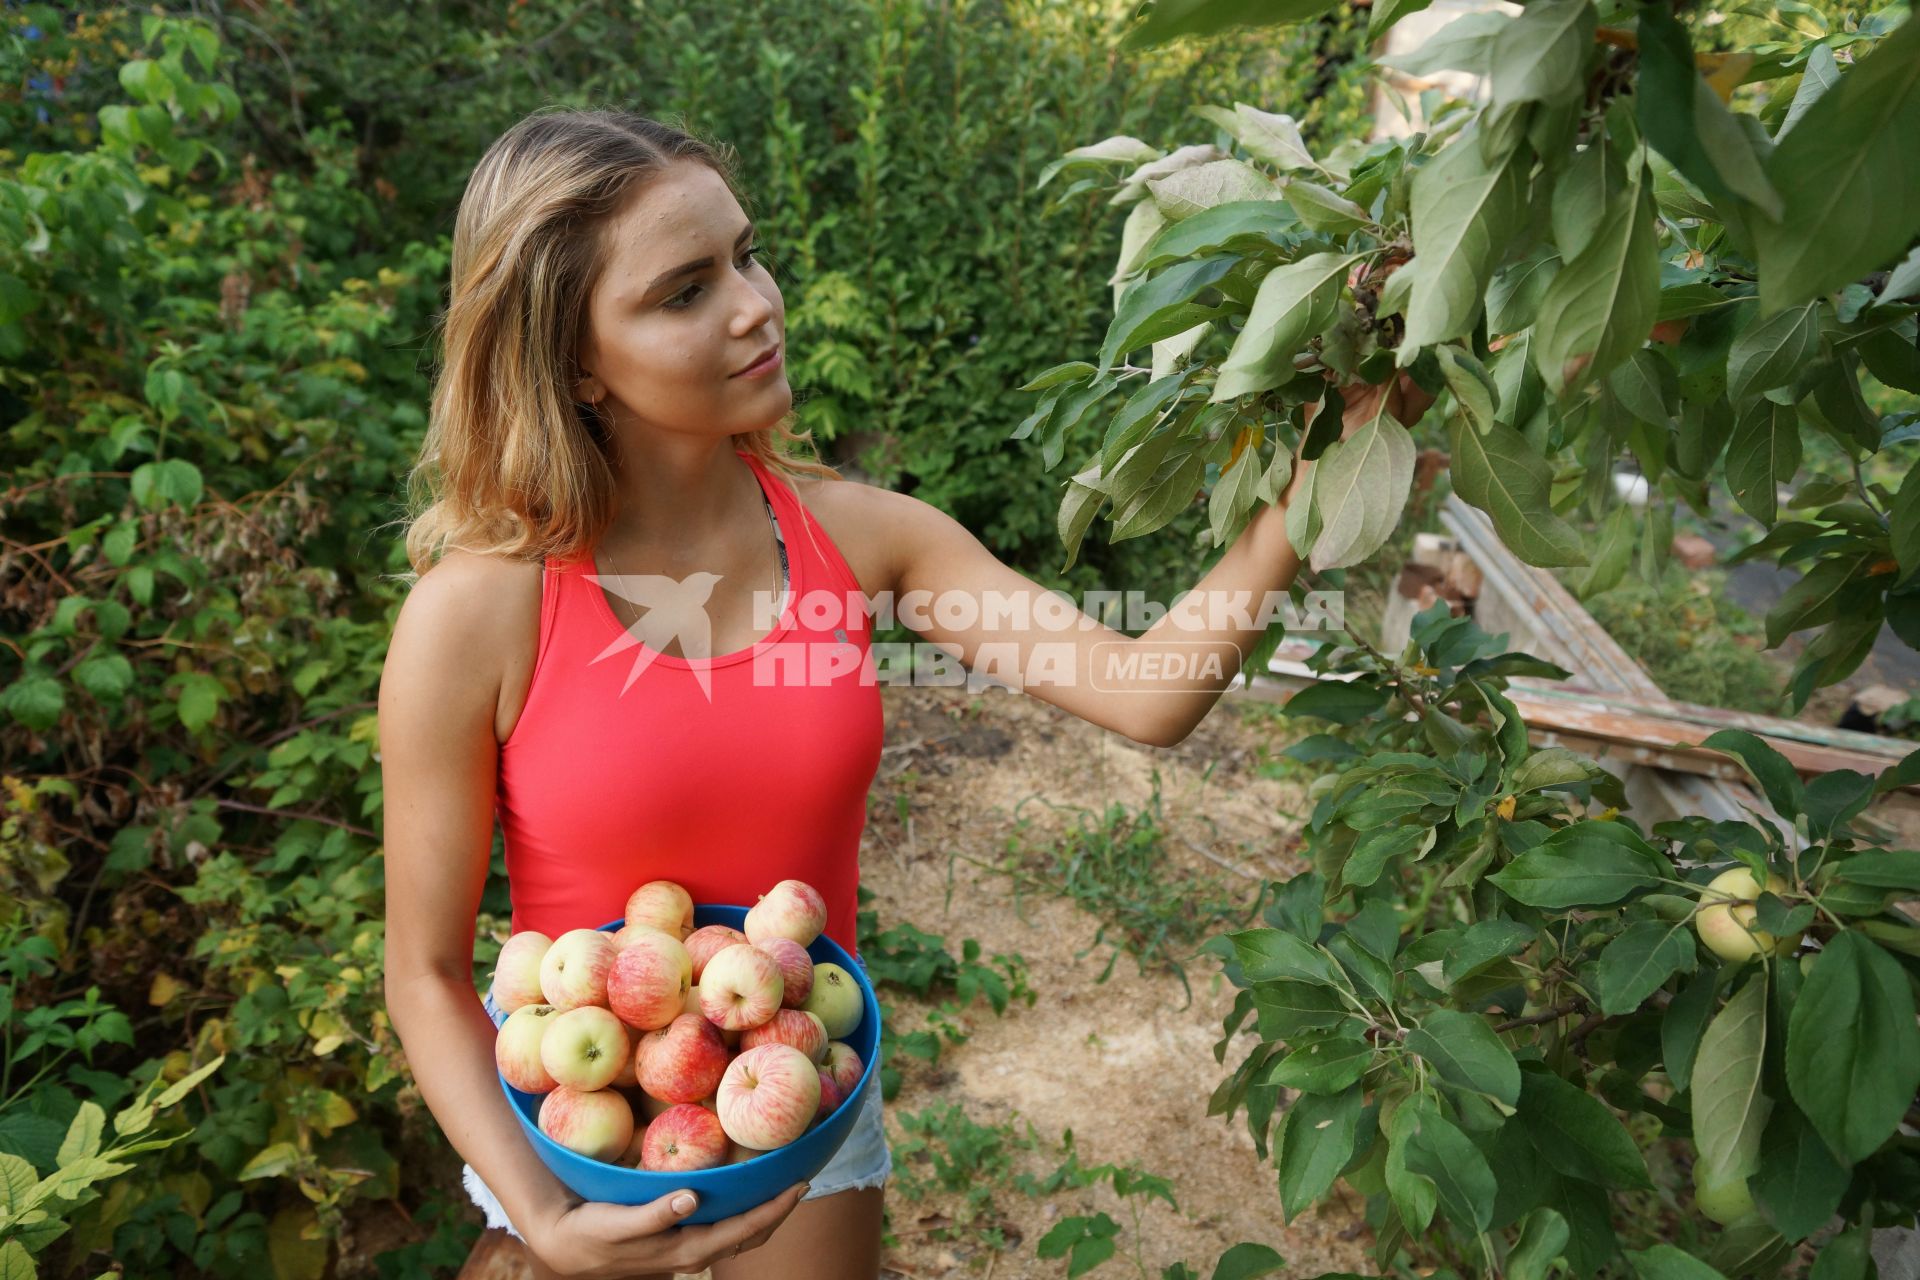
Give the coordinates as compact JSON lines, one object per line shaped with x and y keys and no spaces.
{"x":725,"y":774}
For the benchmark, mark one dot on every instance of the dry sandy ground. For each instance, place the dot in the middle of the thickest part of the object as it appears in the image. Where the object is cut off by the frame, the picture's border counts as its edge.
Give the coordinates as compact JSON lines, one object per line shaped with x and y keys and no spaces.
{"x":1121,"y":1063}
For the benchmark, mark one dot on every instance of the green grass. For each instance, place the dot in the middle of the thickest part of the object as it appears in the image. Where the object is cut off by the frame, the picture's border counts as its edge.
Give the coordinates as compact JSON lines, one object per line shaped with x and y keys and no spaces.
{"x":1114,"y":865}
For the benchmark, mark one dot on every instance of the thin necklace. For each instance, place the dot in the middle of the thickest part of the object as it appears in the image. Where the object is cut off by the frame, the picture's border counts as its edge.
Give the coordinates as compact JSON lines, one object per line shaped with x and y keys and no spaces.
{"x":616,"y":573}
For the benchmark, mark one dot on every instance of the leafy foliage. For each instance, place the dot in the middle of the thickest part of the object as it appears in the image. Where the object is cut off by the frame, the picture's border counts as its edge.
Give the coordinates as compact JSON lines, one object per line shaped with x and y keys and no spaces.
{"x":1605,"y":259}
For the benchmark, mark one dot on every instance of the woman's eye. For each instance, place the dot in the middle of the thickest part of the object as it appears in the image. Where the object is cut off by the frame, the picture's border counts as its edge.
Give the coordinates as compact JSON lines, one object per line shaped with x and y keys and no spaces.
{"x":680,"y":301}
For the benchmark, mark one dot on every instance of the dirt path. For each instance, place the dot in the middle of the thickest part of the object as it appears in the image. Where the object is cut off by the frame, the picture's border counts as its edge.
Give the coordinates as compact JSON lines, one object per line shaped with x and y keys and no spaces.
{"x":1120,"y":1064}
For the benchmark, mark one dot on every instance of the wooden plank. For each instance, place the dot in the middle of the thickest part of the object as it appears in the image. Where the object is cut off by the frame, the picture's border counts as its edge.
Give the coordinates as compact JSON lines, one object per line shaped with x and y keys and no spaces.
{"x":1612,"y":729}
{"x":1550,"y":623}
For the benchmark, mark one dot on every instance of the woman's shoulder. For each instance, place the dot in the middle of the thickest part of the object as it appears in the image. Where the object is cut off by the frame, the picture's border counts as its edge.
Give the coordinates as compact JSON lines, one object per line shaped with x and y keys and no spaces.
{"x":856,"y":516}
{"x":477,"y":612}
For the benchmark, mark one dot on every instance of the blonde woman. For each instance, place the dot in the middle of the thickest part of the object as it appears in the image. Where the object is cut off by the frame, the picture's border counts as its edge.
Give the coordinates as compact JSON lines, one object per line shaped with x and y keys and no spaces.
{"x":640,"y":639}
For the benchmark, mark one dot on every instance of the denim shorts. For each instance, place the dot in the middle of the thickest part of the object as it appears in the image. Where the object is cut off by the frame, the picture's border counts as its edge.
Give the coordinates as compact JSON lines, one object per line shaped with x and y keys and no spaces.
{"x":862,"y":1161}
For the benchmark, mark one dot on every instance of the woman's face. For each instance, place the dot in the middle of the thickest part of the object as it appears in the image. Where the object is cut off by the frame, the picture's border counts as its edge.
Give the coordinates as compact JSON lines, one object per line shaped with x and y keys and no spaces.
{"x":664,"y":343}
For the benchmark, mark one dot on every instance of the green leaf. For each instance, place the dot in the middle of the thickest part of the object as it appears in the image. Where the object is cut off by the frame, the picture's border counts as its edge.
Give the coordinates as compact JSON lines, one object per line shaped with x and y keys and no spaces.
{"x":1853,"y":1051}
{"x":1799,"y":1184}
{"x":1341,"y":701}
{"x":1589,"y":864}
{"x":1171,"y":19}
{"x":1465,"y":212}
{"x":1683,"y":1024}
{"x":1881,"y":868}
{"x":1158,"y":307}
{"x":1848,"y":1256}
{"x":1540,"y":55}
{"x":1233,"y":494}
{"x":1464,"y":1051}
{"x":1323,"y":209}
{"x":1499,"y":472}
{"x":1769,"y":768}
{"x":1360,"y":490}
{"x":1762,"y":453}
{"x":1413,"y":1194}
{"x":1685,"y":121}
{"x":1438,"y":1151}
{"x":1577,"y":1134}
{"x":1071,"y":371}
{"x":1639,"y":961}
{"x":1729,"y":1109}
{"x":1851,"y":193}
{"x":1599,"y":309}
{"x":1665,"y":1262}
{"x":1247,"y":1261}
{"x":1463,"y":44}
{"x":1270,"y":953}
{"x":1294,"y":302}
{"x":35,"y":701}
{"x":1772,"y":351}
{"x":1316,"y":1141}
{"x":1325,"y":1066}
{"x":1903,"y":522}
{"x":1543,"y":1237}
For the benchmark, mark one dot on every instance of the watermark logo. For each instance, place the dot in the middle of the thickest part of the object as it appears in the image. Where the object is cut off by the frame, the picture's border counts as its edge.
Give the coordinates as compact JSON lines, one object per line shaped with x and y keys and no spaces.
{"x":1017,"y":639}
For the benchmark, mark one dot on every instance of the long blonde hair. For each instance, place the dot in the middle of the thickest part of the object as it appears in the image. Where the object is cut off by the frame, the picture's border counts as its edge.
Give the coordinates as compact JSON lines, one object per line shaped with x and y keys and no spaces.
{"x":511,"y":464}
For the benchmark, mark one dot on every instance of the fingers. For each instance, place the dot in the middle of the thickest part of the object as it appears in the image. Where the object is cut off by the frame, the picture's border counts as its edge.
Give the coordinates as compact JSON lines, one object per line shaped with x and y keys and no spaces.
{"x":749,"y":1230}
{"x":655,"y":1216}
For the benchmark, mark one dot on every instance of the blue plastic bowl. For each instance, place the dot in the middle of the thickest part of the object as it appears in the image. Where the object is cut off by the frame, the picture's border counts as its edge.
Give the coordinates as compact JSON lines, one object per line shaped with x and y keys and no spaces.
{"x":730,"y":1189}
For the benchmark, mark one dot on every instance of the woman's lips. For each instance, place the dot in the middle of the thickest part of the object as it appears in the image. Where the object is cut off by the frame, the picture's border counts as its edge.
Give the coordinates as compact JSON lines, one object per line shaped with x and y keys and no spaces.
{"x":765,"y":365}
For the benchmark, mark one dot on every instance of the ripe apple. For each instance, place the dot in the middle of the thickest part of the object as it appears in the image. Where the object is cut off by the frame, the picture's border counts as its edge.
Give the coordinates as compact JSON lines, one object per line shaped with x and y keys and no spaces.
{"x":664,"y":905}
{"x":684,"y":1136}
{"x":845,"y":1066}
{"x":769,"y":1096}
{"x":682,"y":1061}
{"x":796,"y":968}
{"x":831,"y":1096}
{"x":1727,"y":926}
{"x":791,"y":909}
{"x":584,"y":1048}
{"x":516,"y":974}
{"x":836,"y":998}
{"x":597,"y":1123}
{"x":624,"y":936}
{"x":648,"y":983}
{"x":803,"y":1030}
{"x":573,"y":972}
{"x":628,"y":1078}
{"x":741,"y":987}
{"x":516,"y":1048}
{"x":708,"y":939}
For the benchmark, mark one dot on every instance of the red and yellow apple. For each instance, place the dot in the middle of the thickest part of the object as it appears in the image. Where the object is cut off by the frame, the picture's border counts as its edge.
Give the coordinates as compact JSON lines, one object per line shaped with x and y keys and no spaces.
{"x":597,"y":1123}
{"x":705,"y":941}
{"x":831,"y":1096}
{"x":684,"y":1136}
{"x":585,"y":1048}
{"x":516,"y":973}
{"x":516,"y":1048}
{"x":664,"y":905}
{"x":803,"y":1030}
{"x":844,"y":1065}
{"x":647,"y":985}
{"x":791,"y":909}
{"x":768,"y":1096}
{"x":682,"y":1061}
{"x":573,"y":972}
{"x":796,"y":969}
{"x":741,"y":987}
